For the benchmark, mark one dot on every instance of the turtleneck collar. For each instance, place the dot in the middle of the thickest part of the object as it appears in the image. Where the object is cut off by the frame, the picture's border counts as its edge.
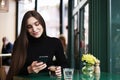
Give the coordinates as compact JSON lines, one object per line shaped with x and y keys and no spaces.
{"x":33,"y":39}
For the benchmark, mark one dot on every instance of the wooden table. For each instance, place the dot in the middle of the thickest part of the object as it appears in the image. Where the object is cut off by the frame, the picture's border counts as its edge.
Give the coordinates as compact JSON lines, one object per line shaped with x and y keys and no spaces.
{"x":2,"y":68}
{"x":4,"y":55}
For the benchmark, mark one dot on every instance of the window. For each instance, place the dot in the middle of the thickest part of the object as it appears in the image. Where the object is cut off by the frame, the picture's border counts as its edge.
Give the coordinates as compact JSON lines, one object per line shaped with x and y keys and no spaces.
{"x":23,"y":7}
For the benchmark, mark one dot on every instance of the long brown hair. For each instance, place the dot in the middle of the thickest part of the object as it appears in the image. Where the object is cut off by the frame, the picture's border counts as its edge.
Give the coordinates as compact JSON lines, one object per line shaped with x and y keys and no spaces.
{"x":20,"y":45}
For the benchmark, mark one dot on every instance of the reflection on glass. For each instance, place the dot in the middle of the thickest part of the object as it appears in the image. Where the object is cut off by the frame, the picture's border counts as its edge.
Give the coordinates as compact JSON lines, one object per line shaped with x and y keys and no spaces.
{"x":50,"y":10}
{"x":75,"y":3}
{"x":86,"y":27}
{"x":76,"y":41}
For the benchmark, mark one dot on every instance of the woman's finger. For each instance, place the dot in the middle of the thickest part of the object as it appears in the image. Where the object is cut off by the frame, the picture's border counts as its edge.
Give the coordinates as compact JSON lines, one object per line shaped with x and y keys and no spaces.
{"x":58,"y":71}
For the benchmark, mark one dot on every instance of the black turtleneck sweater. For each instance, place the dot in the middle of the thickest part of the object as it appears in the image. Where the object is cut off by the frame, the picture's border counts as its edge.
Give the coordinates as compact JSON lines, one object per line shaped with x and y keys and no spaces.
{"x":44,"y":47}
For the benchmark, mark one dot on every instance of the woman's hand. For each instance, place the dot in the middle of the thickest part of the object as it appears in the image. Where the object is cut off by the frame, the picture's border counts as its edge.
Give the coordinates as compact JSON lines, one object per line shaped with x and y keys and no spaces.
{"x":57,"y":70}
{"x":36,"y":66}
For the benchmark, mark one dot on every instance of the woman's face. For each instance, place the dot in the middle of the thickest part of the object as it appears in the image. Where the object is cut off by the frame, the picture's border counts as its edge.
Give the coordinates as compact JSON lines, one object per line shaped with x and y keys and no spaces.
{"x":34,"y":28}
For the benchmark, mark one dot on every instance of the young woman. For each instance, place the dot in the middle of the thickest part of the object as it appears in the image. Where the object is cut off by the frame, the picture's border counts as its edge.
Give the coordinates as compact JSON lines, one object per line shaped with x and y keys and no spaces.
{"x":33,"y":50}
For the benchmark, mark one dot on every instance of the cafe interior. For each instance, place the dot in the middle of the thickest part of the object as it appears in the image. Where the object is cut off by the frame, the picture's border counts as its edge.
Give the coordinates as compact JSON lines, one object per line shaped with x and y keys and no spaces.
{"x":90,"y":28}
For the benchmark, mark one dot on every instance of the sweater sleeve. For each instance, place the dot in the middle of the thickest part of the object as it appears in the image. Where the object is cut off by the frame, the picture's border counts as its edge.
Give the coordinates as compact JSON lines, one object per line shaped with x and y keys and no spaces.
{"x":60,"y":56}
{"x":24,"y":71}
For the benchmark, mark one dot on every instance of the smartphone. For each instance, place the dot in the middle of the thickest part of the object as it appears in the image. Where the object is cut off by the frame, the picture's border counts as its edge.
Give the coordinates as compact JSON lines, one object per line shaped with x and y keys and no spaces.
{"x":43,"y":59}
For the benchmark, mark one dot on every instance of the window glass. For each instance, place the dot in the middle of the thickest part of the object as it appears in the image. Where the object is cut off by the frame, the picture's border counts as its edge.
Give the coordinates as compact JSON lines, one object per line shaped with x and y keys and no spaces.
{"x":86,"y":28}
{"x":23,"y":7}
{"x":49,"y":9}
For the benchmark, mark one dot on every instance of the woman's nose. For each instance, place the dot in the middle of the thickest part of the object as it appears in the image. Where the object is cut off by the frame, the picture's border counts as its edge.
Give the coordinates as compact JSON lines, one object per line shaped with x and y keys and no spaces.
{"x":34,"y":28}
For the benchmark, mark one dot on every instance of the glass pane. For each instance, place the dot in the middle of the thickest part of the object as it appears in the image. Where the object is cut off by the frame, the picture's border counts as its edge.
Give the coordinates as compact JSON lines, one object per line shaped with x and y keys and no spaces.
{"x":23,"y":7}
{"x":65,"y":20}
{"x":115,"y":37}
{"x":76,"y":41}
{"x":86,"y":27}
{"x":75,"y":3}
{"x":49,"y":9}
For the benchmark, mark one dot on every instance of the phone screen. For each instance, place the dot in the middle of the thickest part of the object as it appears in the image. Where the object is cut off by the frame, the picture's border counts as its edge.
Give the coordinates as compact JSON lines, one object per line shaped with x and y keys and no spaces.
{"x":43,"y":59}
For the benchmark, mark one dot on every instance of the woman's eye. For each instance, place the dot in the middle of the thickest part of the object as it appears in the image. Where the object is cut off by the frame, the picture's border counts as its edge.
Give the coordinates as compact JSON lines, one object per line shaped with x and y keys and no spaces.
{"x":37,"y":23}
{"x":29,"y":26}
